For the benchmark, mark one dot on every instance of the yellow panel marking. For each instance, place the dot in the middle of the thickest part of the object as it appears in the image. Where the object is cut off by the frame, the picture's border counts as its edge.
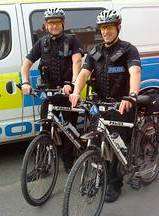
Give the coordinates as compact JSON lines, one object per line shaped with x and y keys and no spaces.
{"x":10,"y":101}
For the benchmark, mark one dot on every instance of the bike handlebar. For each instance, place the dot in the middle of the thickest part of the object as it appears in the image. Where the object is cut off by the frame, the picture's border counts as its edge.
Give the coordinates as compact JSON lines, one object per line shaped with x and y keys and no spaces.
{"x":49,"y":92}
{"x":42,"y":88}
{"x":107,"y":105}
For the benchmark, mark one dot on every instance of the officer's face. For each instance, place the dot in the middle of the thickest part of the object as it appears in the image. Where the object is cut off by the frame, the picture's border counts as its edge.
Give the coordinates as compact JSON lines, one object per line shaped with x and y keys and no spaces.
{"x":109,"y":32}
{"x":54,"y":26}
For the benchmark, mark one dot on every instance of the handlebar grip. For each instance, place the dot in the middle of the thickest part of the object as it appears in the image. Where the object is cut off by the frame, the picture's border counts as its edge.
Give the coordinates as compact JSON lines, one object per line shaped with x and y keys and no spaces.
{"x":130,"y":99}
{"x":19,"y":86}
{"x":33,"y":93}
{"x":69,"y":83}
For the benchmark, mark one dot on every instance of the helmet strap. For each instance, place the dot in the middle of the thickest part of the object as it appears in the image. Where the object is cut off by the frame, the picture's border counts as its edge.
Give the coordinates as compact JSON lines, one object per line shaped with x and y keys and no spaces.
{"x":111,"y":42}
{"x":56,"y":36}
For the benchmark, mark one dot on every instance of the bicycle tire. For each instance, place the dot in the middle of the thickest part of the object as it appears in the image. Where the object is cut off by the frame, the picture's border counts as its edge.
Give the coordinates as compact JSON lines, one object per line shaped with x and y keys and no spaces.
{"x":71,"y":178}
{"x":46,"y":170}
{"x":148,"y":131}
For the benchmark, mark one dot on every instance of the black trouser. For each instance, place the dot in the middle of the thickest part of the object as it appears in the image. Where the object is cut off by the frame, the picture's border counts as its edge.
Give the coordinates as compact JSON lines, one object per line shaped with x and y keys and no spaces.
{"x":66,"y":150}
{"x":114,"y":176}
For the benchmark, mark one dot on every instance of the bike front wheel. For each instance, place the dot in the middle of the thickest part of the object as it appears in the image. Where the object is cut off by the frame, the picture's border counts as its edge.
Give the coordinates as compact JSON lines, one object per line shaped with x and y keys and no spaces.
{"x":86,"y":185}
{"x":39,"y":170}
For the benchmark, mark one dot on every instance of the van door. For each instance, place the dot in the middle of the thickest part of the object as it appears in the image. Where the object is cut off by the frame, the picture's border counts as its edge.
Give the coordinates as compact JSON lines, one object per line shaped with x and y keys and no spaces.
{"x":10,"y":63}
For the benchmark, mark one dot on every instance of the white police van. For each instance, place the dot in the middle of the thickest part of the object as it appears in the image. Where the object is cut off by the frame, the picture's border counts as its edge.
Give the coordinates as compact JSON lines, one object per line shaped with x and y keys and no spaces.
{"x":21,"y":24}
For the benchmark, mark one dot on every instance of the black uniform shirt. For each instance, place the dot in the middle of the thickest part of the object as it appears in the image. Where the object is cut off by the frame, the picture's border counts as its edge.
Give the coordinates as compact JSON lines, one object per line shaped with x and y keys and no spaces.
{"x":35,"y":52}
{"x":55,"y":58}
{"x":131,"y":57}
{"x":110,"y":67}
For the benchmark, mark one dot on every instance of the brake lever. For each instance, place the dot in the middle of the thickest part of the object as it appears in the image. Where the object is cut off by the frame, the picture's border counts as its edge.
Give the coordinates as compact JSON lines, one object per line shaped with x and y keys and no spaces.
{"x":33,"y":93}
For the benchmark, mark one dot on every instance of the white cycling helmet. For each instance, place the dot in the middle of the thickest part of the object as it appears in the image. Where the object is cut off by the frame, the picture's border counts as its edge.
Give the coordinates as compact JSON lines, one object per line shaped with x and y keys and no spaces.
{"x":54,"y":13}
{"x":108,"y":16}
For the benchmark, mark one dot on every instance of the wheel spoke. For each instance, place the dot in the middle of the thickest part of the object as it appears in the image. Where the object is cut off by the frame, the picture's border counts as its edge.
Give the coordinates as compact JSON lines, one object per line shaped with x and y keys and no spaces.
{"x":148,"y":156}
{"x":84,"y":196}
{"x":39,"y":170}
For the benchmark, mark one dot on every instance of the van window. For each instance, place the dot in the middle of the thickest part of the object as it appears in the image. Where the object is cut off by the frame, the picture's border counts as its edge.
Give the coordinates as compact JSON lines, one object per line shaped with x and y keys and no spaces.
{"x":5,"y":35}
{"x":81,"y":22}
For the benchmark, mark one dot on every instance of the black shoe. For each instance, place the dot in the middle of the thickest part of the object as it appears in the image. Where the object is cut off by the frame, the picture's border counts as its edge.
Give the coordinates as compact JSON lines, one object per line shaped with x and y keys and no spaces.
{"x":135,"y":183}
{"x":112,"y":194}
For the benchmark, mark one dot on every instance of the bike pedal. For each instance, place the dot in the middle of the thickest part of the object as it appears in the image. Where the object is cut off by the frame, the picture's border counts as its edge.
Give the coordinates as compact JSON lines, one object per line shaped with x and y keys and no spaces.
{"x":135,"y":183}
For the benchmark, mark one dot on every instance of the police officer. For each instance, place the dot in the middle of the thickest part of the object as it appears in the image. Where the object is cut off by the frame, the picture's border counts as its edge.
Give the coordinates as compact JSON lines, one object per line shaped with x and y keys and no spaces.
{"x":115,"y":64}
{"x":60,"y":60}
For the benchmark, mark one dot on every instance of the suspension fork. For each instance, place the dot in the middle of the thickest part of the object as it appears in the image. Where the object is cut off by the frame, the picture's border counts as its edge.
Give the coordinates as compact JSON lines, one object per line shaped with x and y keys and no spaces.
{"x":133,"y":148}
{"x":55,"y":135}
{"x":106,"y":152}
{"x":85,"y":165}
{"x":37,"y":156}
{"x":98,"y":176}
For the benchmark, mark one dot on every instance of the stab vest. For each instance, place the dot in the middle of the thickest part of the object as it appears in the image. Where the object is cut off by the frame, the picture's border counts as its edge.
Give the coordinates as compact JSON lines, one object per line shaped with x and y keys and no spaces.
{"x":111,"y":71}
{"x":56,"y":60}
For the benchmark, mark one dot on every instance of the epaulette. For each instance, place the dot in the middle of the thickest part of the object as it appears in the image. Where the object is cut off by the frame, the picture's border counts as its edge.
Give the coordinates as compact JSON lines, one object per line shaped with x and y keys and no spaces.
{"x":120,"y":51}
{"x":96,"y":52}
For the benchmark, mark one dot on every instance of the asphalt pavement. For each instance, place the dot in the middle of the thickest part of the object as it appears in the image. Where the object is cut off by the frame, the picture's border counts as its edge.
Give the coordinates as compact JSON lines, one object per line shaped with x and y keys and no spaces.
{"x":144,"y":202}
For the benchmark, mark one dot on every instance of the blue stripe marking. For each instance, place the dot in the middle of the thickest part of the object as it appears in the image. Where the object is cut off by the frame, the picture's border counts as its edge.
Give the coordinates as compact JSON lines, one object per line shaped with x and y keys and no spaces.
{"x":150,"y":60}
{"x":150,"y":83}
{"x":37,"y":127}
{"x":150,"y":70}
{"x":30,"y":100}
{"x":26,"y":128}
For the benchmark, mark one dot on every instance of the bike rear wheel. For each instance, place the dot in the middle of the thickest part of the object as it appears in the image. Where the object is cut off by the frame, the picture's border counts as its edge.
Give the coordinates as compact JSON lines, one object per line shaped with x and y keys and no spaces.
{"x":148,"y":157}
{"x":86,"y":185}
{"x":39,"y":170}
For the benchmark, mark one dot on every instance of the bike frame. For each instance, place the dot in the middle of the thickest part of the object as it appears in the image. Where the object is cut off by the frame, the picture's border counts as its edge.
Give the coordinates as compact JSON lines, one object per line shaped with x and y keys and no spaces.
{"x":128,"y":156}
{"x":102,"y":127}
{"x":66,"y":127}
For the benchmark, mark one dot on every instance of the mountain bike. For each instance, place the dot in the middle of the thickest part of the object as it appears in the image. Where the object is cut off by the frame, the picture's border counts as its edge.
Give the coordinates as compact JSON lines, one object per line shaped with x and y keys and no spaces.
{"x":87,"y":182}
{"x":41,"y":162}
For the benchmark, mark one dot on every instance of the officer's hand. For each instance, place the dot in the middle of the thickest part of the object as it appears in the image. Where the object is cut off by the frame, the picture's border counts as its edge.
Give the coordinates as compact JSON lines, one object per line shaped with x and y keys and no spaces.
{"x":74,"y":99}
{"x":125,"y":106}
{"x":26,"y":89}
{"x":67,"y":89}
